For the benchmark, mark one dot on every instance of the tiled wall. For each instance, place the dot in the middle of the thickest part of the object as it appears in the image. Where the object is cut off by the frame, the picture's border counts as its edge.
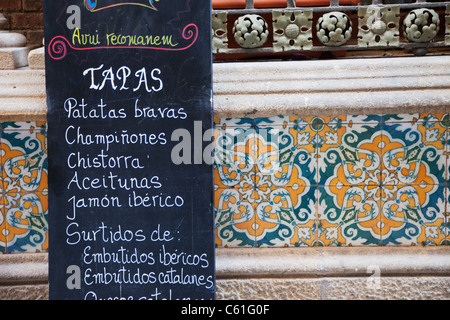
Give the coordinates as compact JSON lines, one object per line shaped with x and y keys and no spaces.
{"x":23,"y":187}
{"x":282,"y":181}
{"x":327,"y":181}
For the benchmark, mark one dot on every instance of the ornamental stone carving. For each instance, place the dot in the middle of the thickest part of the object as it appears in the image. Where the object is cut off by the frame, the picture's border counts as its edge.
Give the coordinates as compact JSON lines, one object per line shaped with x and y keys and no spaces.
{"x":250,"y":31}
{"x":219,"y":31}
{"x":421,"y":25}
{"x":334,"y":28}
{"x":292,"y":30}
{"x":378,"y":26}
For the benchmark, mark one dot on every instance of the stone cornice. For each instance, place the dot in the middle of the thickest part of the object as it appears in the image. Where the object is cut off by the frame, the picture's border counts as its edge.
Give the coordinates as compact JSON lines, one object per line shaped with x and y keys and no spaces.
{"x":261,"y":89}
{"x":239,"y":263}
{"x":22,"y":95}
{"x":23,"y":268}
{"x":332,"y":87}
{"x":332,"y":262}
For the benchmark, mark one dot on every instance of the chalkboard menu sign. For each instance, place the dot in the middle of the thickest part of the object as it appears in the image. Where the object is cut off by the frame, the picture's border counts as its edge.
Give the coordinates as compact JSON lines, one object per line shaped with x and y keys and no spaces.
{"x":130,"y":140}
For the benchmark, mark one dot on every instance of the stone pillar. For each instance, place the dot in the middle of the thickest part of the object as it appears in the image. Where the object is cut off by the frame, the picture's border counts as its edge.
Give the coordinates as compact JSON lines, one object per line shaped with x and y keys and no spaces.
{"x":13,"y":48}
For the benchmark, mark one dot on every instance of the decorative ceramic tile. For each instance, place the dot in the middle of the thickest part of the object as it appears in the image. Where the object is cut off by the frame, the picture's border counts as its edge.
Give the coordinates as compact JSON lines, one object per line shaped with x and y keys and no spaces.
{"x":277,"y":121}
{"x":348,"y":215}
{"x":2,"y":215}
{"x":443,"y":118}
{"x":26,"y":222}
{"x":234,"y":217}
{"x":285,"y":216}
{"x":413,"y":172}
{"x":408,"y":118}
{"x":280,"y":196}
{"x":445,"y":229}
{"x":281,"y":181}
{"x":349,"y":154}
{"x":25,"y":185}
{"x":24,"y":159}
{"x":414,"y":152}
{"x":284,"y":156}
{"x":2,"y":222}
{"x":445,"y":139}
{"x":349,"y":159}
{"x":362,"y":119}
{"x":234,"y":157}
{"x":1,"y":165}
{"x":414,"y":217}
{"x":224,"y":123}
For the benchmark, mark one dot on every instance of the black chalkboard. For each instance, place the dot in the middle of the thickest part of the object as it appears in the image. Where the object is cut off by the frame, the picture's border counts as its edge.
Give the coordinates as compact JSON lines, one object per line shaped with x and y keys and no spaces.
{"x":129,"y":88}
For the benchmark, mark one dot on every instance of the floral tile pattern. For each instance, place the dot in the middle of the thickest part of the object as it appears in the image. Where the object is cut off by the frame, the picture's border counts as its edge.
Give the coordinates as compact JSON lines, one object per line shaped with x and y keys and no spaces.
{"x":23,"y":203}
{"x":414,"y":159}
{"x":273,"y":180}
{"x":286,"y":181}
{"x":344,"y":180}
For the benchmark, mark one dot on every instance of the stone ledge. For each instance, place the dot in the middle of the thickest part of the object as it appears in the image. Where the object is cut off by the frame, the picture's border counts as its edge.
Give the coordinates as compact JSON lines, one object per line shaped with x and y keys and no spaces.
{"x":270,"y":88}
{"x":30,"y":268}
{"x":22,"y":95}
{"x":249,"y":263}
{"x":332,"y":87}
{"x":332,"y":262}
